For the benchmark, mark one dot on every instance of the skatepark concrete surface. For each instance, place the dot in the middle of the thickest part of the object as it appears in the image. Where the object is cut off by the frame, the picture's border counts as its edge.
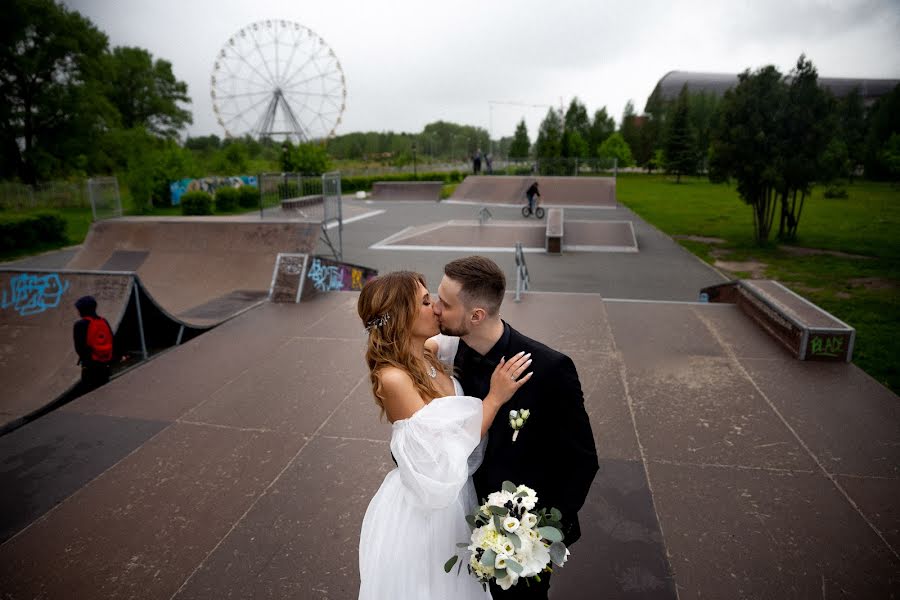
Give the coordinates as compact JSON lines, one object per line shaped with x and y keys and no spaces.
{"x":240,"y":463}
{"x":574,"y":192}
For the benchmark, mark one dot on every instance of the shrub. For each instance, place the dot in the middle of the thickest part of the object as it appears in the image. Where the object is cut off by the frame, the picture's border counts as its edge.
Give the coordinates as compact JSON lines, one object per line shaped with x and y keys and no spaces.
{"x":23,"y":232}
{"x":196,"y":203}
{"x":227,"y":199}
{"x":248,"y":196}
{"x":836,"y":191}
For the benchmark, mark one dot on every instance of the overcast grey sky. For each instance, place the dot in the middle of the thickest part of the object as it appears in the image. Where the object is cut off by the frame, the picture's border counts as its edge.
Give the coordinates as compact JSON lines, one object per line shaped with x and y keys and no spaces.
{"x":408,"y":63}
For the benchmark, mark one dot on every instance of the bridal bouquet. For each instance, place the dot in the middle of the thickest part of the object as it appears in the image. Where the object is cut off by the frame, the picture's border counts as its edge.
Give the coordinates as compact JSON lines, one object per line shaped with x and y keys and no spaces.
{"x":510,"y":540}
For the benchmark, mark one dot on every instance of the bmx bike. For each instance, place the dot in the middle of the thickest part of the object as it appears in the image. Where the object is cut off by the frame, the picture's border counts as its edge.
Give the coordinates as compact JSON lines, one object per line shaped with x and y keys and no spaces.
{"x":538,"y":210}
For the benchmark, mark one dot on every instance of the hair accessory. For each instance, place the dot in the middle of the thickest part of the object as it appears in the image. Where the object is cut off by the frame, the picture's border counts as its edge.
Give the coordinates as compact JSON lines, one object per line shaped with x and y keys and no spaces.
{"x":377,"y":322}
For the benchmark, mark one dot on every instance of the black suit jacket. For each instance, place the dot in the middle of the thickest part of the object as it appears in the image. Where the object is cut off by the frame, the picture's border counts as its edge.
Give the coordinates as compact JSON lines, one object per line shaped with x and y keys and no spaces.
{"x":554,"y":453}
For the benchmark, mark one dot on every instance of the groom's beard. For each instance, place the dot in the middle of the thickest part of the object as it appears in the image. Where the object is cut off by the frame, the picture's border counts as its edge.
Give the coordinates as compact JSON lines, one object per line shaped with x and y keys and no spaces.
{"x":454,"y":331}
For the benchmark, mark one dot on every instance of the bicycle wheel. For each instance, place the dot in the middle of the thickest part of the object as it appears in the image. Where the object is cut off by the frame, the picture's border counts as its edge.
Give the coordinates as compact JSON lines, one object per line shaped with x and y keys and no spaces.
{"x":539,"y":212}
{"x":526,"y":212}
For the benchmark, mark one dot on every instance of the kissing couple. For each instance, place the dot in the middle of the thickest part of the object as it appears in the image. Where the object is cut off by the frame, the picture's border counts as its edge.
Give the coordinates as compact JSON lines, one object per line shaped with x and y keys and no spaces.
{"x":445,"y":372}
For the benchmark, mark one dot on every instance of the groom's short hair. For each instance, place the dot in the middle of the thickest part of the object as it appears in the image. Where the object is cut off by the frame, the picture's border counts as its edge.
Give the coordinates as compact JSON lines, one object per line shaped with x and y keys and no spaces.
{"x":482,"y":282}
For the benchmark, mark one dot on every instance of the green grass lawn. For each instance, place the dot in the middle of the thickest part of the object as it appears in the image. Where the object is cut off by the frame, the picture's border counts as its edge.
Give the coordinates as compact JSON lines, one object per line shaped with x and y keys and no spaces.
{"x":861,"y":290}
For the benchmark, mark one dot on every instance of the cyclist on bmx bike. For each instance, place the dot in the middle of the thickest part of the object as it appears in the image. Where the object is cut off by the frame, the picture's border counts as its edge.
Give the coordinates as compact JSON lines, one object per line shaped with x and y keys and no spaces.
{"x":533,"y":207}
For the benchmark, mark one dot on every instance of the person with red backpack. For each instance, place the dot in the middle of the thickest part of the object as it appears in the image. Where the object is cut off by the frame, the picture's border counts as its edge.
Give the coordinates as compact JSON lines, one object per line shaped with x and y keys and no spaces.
{"x":94,"y":345}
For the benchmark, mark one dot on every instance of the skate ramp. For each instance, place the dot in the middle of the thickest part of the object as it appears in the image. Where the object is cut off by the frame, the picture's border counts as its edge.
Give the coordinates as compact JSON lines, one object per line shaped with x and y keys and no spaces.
{"x":428,"y":191}
{"x":200,"y":270}
{"x":573,"y":192}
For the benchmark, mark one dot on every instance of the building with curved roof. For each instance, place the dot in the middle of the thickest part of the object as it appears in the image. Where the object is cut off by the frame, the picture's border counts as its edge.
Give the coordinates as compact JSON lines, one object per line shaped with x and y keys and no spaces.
{"x":671,"y":83}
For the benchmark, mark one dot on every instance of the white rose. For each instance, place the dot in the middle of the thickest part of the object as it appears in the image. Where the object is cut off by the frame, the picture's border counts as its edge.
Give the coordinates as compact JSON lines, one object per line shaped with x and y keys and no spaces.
{"x":510,"y":524}
{"x":500,"y":561}
{"x":519,"y":422}
{"x":499,"y":498}
{"x":513,"y":414}
{"x":524,"y":488}
{"x":524,"y":413}
{"x":508,"y":581}
{"x":529,"y":520}
{"x":529,"y":503}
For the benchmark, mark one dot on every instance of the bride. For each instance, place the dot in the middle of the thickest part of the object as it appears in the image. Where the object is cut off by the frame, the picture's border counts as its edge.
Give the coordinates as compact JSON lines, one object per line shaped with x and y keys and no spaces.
{"x":417,"y":516}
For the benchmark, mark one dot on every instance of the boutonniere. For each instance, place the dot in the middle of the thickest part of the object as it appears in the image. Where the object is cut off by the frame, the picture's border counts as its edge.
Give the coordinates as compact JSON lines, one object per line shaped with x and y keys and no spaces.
{"x":517,"y":419}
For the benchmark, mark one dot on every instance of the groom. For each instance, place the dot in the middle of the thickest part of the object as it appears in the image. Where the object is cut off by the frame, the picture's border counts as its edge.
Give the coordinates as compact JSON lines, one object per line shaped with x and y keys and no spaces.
{"x":554,"y":452}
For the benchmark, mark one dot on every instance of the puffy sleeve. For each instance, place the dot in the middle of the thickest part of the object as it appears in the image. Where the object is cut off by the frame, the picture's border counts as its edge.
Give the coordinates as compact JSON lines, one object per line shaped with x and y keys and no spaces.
{"x":447,"y":346}
{"x":432,"y":448}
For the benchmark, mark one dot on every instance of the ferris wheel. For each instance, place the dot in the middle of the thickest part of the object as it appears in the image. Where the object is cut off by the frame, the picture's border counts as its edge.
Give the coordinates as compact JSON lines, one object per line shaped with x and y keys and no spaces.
{"x":278,"y":79}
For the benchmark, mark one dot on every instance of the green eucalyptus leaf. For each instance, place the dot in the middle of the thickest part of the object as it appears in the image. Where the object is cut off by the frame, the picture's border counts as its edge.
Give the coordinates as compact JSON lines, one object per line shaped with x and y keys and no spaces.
{"x":498,"y":523}
{"x":470,"y":519}
{"x":550,"y":533}
{"x":449,"y":564}
{"x":557,"y":516}
{"x":514,"y":566}
{"x":557,"y":553}
{"x":501,"y":511}
{"x":499,"y":573}
{"x":509,"y":486}
{"x":515,"y":540}
{"x":488,"y":558}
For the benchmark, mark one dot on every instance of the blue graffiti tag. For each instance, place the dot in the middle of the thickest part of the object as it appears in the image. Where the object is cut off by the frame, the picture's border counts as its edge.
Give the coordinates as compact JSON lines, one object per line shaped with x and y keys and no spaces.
{"x":325,"y":277}
{"x":33,"y":294}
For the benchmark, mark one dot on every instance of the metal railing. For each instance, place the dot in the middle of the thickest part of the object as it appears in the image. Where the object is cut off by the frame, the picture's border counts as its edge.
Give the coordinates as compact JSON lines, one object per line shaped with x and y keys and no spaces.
{"x":333,"y":212}
{"x":521,"y":272}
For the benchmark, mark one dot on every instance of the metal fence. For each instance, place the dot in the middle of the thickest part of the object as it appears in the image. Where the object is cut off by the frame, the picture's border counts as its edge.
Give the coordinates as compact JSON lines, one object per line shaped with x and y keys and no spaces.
{"x":103,"y":193}
{"x":334,"y":217}
{"x":521,"y":272}
{"x":49,"y":194}
{"x":275,"y":188}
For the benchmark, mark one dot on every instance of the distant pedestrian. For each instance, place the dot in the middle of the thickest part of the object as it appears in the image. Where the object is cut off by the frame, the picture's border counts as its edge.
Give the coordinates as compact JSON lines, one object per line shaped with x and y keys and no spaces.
{"x":93,"y":339}
{"x":488,"y":159}
{"x":476,"y":162}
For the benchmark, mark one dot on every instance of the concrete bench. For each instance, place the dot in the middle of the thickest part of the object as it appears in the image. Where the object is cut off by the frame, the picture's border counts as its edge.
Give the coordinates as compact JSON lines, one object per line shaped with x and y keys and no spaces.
{"x":407,"y":190}
{"x":554,"y":230}
{"x":807,"y":331}
{"x":301,"y":202}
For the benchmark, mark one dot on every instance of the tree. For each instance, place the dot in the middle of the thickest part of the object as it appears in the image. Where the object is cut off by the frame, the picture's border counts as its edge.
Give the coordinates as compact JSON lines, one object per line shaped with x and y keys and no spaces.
{"x":50,"y":61}
{"x":806,"y":129}
{"x":309,"y":159}
{"x":576,"y":119}
{"x":146,"y":93}
{"x":744,"y":139}
{"x":616,"y":147}
{"x":548,"y":146}
{"x":884,"y":122}
{"x":629,"y":128}
{"x":602,"y":127}
{"x":702,"y":108}
{"x":680,"y":152}
{"x":574,"y":146}
{"x":520,"y":144}
{"x":851,"y":115}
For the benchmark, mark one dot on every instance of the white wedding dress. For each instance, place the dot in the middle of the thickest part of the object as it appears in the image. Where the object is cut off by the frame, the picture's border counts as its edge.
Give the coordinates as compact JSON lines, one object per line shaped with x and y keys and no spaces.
{"x":418,"y":515}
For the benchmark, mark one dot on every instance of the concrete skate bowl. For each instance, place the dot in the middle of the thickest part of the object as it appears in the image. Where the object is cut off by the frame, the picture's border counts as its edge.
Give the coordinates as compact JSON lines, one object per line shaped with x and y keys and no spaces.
{"x":568,"y":192}
{"x":202,"y":271}
{"x":423,"y":191}
{"x":38,"y":364}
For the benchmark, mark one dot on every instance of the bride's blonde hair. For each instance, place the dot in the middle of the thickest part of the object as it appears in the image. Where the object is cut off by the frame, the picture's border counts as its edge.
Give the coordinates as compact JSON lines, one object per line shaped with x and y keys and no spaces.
{"x":388,"y":306}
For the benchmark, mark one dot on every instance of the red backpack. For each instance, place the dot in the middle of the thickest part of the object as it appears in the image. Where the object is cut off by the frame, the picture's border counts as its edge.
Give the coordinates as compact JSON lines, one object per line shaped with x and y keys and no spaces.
{"x":99,"y":339}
